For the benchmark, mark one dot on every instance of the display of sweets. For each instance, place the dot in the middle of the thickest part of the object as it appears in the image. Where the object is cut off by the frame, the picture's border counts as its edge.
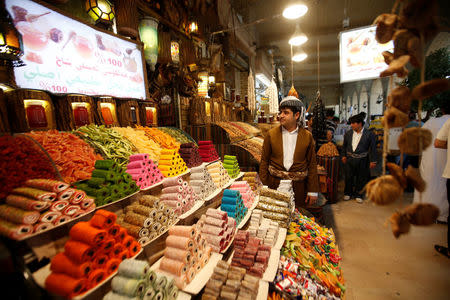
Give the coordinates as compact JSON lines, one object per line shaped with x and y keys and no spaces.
{"x":231,"y":282}
{"x":286,"y":187}
{"x":253,"y":180}
{"x":233,"y":205}
{"x":40,"y":205}
{"x":135,"y":280}
{"x":307,"y":243}
{"x":93,"y":252}
{"x":217,"y":228}
{"x":246,"y":192}
{"x":231,"y":164}
{"x":108,"y":183}
{"x":207,"y":151}
{"x":143,"y":170}
{"x":170,"y":163}
{"x":201,"y":182}
{"x":275,"y":205}
{"x":146,"y":218}
{"x":250,"y":253}
{"x":178,"y":195}
{"x":218,"y":173}
{"x":186,"y":253}
{"x":265,"y":229}
{"x":189,"y":153}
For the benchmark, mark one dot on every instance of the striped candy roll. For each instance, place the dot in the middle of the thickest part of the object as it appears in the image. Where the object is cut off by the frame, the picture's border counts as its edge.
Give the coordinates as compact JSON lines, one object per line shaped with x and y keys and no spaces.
{"x":129,"y":287}
{"x":136,"y":171}
{"x":39,"y":227}
{"x":90,"y":208}
{"x":15,"y":231}
{"x":17,"y":215}
{"x":172,"y":181}
{"x":196,"y":183}
{"x":139,"y":156}
{"x":136,"y":165}
{"x":49,"y":216}
{"x":27,"y":203}
{"x":78,"y":214}
{"x":172,"y":196}
{"x":172,"y":189}
{"x":35,"y":193}
{"x":199,"y":169}
{"x":66,"y":194}
{"x":172,"y":266}
{"x":61,"y":219}
{"x":86,"y":202}
{"x":71,"y":210}
{"x":143,"y":240}
{"x":172,"y":203}
{"x":59,"y":205}
{"x":47,"y":185}
{"x":139,"y":178}
{"x":77,"y":197}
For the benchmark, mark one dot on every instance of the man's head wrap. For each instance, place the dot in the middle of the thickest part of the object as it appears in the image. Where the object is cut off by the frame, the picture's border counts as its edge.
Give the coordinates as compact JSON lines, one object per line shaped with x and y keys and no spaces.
{"x":359,"y":118}
{"x":295,"y":105}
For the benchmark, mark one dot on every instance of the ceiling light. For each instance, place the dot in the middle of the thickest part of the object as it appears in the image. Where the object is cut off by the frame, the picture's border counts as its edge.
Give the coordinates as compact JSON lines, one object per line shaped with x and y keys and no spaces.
{"x":295,"y":11}
{"x":299,"y":56}
{"x":298,"y":38}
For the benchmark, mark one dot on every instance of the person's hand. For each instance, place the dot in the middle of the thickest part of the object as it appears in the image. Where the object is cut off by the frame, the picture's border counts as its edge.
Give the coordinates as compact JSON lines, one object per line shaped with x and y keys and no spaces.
{"x":344,"y":160}
{"x":372,"y":165}
{"x":311,"y":200}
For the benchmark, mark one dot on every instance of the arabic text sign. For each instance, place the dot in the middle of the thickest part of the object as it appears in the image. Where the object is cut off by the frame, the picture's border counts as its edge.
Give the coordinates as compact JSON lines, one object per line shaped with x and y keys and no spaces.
{"x":66,"y":56}
{"x":360,"y":54}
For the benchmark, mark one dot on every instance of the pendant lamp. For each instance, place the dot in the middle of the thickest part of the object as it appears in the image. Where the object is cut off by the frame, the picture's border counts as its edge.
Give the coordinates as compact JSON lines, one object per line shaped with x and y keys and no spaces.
{"x":295,"y":10}
{"x":298,"y":38}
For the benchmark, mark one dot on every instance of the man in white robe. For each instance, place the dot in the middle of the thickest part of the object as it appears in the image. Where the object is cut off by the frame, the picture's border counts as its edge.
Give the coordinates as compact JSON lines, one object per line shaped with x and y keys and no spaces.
{"x":432,"y":166}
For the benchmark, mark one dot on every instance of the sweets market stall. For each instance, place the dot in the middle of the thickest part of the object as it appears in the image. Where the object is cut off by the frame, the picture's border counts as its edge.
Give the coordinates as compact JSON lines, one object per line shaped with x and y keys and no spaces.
{"x":101,"y":203}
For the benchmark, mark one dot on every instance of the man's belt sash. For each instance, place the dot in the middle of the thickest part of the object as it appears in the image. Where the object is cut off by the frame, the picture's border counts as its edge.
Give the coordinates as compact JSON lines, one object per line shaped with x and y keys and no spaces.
{"x":357,"y":155}
{"x":294,"y":176}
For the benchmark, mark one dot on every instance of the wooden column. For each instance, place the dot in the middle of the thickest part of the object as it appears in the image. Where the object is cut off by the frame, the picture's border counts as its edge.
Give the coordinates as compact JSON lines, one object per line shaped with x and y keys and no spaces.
{"x":127,"y":18}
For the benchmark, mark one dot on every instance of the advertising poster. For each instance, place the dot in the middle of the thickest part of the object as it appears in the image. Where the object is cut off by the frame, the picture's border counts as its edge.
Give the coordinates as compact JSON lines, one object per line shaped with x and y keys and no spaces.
{"x":360,"y":54}
{"x":63,"y":55}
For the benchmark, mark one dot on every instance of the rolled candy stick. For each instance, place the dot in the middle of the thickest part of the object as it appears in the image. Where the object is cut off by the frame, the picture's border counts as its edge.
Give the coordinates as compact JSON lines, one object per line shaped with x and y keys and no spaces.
{"x":35,"y":193}
{"x":86,"y":233}
{"x":39,"y":227}
{"x":103,"y":219}
{"x":96,"y":277}
{"x":66,"y":194}
{"x":61,"y":219}
{"x":26,"y":203}
{"x":184,"y":231}
{"x":49,"y":216}
{"x":47,"y":185}
{"x":15,"y":231}
{"x":59,"y":205}
{"x":63,"y":264}
{"x":174,"y":267}
{"x":138,"y":157}
{"x":179,"y":242}
{"x":178,"y":254}
{"x":17,"y":215}
{"x":77,"y":197}
{"x":64,"y":285}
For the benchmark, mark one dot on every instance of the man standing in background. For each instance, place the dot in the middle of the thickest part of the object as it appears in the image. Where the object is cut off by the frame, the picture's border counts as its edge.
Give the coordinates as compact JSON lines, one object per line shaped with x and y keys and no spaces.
{"x":432,"y":167}
{"x":359,"y":156}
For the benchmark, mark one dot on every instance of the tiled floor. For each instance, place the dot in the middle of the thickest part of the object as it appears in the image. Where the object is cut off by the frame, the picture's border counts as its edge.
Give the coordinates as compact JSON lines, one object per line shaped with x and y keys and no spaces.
{"x":378,"y":266}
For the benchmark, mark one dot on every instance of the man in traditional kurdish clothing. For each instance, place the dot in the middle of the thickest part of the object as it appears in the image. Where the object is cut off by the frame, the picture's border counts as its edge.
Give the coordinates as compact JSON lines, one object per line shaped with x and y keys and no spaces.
{"x":288,"y":153}
{"x":359,"y":156}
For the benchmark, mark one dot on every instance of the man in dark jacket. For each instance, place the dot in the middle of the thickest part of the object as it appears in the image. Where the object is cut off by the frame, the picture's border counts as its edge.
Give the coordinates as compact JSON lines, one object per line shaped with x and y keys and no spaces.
{"x":359,"y":156}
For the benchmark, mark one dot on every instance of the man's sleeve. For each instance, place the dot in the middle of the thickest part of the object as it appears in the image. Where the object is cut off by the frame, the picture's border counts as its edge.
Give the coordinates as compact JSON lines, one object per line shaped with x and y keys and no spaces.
{"x":372,"y":147}
{"x":344,"y":145}
{"x":312,"y":185}
{"x":443,"y":132}
{"x":265,"y":160}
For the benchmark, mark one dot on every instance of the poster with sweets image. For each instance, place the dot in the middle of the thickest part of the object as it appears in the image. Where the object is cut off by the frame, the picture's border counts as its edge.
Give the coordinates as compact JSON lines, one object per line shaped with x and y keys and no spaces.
{"x":360,"y":54}
{"x":63,"y":55}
